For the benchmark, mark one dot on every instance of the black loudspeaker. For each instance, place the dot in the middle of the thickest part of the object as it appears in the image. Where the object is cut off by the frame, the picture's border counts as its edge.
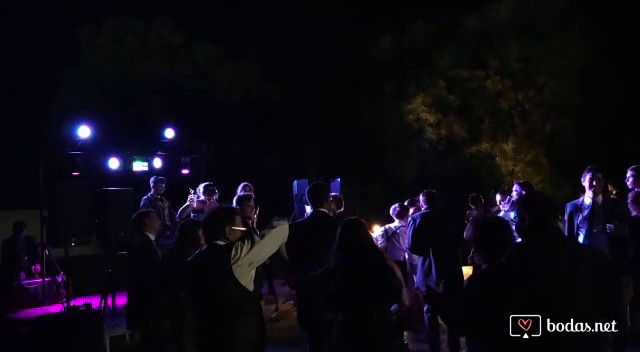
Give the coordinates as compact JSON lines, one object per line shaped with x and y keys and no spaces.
{"x":70,"y":216}
{"x":115,"y":207}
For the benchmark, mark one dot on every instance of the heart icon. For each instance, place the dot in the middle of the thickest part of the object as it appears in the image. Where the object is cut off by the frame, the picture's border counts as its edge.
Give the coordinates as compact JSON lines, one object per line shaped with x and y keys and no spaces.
{"x":525,"y":324}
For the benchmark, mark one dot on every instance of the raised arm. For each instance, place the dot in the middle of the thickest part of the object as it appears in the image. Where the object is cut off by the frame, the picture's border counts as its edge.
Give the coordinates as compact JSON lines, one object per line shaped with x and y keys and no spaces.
{"x":253,"y":253}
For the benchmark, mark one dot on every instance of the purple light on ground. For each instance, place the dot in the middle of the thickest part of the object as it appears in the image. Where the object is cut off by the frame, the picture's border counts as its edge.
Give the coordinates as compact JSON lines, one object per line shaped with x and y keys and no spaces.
{"x":32,"y":313}
{"x":184,"y":171}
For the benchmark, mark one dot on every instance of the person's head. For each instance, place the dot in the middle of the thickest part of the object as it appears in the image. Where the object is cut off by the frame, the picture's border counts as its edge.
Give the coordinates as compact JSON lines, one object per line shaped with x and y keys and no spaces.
{"x":428,"y":199}
{"x":491,"y":238}
{"x":147,"y":221}
{"x":399,"y":212}
{"x":535,"y":214}
{"x":245,"y":187}
{"x":223,"y":224}
{"x":319,"y":195}
{"x":245,"y":203}
{"x":633,"y":201}
{"x":476,"y":201}
{"x":593,"y":181}
{"x":19,"y":227}
{"x":190,"y":235}
{"x":354,"y":237}
{"x":158,"y":184}
{"x":337,"y":201}
{"x":501,"y":198}
{"x":207,"y":191}
{"x":521,"y":188}
{"x":633,"y":177}
{"x":412,"y":202}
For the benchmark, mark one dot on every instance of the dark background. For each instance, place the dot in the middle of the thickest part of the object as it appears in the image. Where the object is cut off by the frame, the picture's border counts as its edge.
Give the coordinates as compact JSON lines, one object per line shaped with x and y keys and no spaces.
{"x":319,"y":106}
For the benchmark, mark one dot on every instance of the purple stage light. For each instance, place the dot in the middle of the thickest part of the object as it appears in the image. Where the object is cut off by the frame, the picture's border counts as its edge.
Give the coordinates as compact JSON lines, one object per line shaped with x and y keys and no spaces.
{"x":114,"y":163}
{"x":169,"y":133}
{"x":157,"y":162}
{"x":83,"y":132}
{"x":184,"y":171}
{"x":75,"y":173}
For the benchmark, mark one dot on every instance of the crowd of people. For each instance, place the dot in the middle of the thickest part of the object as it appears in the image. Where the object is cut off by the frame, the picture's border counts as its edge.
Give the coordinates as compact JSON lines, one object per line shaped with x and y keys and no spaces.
{"x":353,"y":289}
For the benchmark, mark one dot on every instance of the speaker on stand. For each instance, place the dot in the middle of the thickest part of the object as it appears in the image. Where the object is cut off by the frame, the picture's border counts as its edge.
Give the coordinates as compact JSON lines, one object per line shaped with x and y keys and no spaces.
{"x":115,"y":206}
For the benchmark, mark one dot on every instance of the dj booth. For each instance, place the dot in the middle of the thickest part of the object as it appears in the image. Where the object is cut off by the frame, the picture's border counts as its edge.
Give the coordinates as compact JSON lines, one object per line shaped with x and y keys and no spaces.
{"x":28,"y":293}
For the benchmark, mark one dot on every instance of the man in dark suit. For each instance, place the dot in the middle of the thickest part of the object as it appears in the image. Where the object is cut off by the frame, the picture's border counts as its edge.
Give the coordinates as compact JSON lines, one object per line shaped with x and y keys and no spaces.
{"x":19,"y":252}
{"x":595,"y":219}
{"x":145,"y":281}
{"x":308,"y":248}
{"x":559,"y":279}
{"x":433,"y":238}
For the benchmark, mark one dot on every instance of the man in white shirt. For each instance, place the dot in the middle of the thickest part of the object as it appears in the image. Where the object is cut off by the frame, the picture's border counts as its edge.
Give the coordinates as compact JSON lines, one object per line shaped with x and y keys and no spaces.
{"x":392,"y":238}
{"x":228,"y":315}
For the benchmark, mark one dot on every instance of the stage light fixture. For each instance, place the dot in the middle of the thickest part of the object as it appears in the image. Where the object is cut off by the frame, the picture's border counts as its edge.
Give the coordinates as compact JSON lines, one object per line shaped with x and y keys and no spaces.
{"x":157,"y":162}
{"x":185,"y":169}
{"x":83,"y":132}
{"x":169,"y":133}
{"x":114,"y":163}
{"x":139,"y":166}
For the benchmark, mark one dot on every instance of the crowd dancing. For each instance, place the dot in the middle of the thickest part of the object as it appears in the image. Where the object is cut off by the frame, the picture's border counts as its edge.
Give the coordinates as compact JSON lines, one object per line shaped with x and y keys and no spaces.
{"x":357,"y":291}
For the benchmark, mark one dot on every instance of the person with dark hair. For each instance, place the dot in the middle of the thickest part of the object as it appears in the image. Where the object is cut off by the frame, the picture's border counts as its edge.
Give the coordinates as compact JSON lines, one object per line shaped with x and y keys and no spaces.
{"x":19,"y":253}
{"x":633,"y":178}
{"x":245,"y":187}
{"x":205,"y":199}
{"x":308,"y":248}
{"x":560,"y":279}
{"x":245,"y":202}
{"x":160,"y":205}
{"x":487,"y":299}
{"x":412,"y":202}
{"x":228,"y":314}
{"x":414,"y":205}
{"x":146,"y":285}
{"x":365,"y":287}
{"x":594,"y":219}
{"x":338,"y":206}
{"x":435,"y":239}
{"x":521,"y":188}
{"x":633,"y":202}
{"x":189,"y":240}
{"x":502,"y":196}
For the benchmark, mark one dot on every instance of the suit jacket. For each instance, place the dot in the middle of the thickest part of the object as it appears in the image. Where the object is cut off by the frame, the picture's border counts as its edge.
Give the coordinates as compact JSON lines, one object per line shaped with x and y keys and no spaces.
{"x":308,"y":248}
{"x":432,"y":235}
{"x":146,"y":286}
{"x":613,"y":214}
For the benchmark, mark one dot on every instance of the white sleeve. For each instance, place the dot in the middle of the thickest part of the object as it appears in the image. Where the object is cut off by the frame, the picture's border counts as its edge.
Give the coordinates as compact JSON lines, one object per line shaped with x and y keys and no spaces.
{"x":247,"y":255}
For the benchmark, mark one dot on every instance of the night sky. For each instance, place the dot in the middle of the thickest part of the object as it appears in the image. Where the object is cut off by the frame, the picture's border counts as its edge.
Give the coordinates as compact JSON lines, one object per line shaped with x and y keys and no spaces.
{"x":314,"y":55}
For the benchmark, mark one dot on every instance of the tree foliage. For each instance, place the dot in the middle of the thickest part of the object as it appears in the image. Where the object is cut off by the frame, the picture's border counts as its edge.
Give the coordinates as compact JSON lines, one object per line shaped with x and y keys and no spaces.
{"x":501,"y":85}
